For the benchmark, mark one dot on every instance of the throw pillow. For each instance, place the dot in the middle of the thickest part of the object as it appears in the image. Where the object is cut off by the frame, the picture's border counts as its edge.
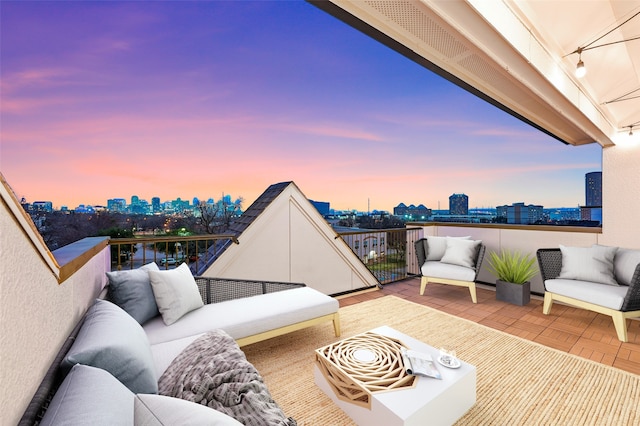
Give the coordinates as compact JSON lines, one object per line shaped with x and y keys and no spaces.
{"x":131,"y":290}
{"x":112,"y":340}
{"x":90,"y":395}
{"x":594,"y":264}
{"x":436,"y":246}
{"x":150,"y":410}
{"x":176,"y":292}
{"x":461,"y":252}
{"x":625,"y":264}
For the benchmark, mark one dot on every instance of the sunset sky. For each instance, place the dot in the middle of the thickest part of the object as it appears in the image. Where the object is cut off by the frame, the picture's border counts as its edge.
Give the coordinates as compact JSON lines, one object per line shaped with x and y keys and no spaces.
{"x":106,"y":100}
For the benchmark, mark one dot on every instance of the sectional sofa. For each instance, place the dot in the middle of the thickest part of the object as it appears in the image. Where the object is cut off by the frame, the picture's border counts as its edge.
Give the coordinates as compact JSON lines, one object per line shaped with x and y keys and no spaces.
{"x":155,"y":338}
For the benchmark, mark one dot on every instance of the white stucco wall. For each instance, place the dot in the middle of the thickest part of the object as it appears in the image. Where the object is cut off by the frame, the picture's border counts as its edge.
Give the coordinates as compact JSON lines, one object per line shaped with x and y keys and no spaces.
{"x":621,"y":195}
{"x":37,"y":314}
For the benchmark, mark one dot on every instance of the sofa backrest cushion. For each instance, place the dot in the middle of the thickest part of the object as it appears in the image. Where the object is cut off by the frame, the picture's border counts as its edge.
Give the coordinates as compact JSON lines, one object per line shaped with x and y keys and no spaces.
{"x":131,"y":290}
{"x":594,"y":264}
{"x":112,"y":340}
{"x":90,"y":395}
{"x":176,"y":292}
{"x":436,"y":247}
{"x":625,"y":264}
{"x":159,"y":410}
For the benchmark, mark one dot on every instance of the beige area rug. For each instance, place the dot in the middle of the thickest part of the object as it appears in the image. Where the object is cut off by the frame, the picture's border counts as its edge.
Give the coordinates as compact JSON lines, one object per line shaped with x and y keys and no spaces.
{"x":518,"y":382}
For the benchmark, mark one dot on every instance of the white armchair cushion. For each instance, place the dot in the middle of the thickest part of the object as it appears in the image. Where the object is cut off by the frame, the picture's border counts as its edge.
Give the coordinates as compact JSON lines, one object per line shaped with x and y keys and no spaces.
{"x":176,"y":292}
{"x":594,"y":264}
{"x":461,"y":252}
{"x":436,"y":246}
{"x":448,"y":271}
{"x":590,"y":292}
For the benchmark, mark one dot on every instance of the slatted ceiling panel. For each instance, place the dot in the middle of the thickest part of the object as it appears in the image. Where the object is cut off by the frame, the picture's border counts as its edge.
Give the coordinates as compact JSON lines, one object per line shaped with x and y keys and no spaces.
{"x":407,"y":16}
{"x":435,"y":37}
{"x":484,"y":74}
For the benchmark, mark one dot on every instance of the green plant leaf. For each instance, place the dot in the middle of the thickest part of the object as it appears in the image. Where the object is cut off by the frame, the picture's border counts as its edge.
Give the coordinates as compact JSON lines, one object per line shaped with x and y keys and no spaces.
{"x":512,"y":266}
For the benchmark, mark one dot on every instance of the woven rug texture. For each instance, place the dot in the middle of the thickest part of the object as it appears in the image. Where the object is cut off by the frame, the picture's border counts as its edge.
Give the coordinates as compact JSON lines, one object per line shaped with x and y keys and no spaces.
{"x":518,"y":382}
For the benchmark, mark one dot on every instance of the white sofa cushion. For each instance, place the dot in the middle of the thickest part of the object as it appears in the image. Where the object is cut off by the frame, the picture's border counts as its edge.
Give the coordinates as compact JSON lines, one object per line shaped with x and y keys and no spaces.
{"x":625,"y":264}
{"x":436,"y":246}
{"x":247,"y":316}
{"x":176,"y":292}
{"x":461,"y":252}
{"x":593,"y":264}
{"x":446,"y":270}
{"x":90,"y":395}
{"x":164,"y":353}
{"x":587,"y":291}
{"x":159,"y":410}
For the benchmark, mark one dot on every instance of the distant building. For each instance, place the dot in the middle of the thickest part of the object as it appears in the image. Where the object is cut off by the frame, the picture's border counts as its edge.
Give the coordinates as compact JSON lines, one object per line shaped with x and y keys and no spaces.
{"x":458,"y":204}
{"x":412,"y":212}
{"x":42,"y":206}
{"x":592,"y":210}
{"x":117,"y":205}
{"x":155,"y":205}
{"x":593,"y":189}
{"x":322,"y":206}
{"x":518,"y":213}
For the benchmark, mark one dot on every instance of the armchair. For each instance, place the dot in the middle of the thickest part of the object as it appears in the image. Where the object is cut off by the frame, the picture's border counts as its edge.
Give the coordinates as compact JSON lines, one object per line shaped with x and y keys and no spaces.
{"x":449,"y":260}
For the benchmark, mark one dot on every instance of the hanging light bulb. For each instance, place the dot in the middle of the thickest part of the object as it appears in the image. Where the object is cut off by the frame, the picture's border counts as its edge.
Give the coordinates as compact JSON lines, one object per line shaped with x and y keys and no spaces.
{"x":580,"y":69}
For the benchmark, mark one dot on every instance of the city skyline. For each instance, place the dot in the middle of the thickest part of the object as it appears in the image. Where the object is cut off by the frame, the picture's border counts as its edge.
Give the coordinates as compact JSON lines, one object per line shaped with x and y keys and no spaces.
{"x":186,"y":98}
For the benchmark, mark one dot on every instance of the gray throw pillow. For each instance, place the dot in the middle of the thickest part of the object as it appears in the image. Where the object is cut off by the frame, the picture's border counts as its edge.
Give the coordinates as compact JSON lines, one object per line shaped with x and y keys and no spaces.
{"x":131,"y":290}
{"x":92,"y":396}
{"x":176,"y":292}
{"x":594,"y":264}
{"x":152,"y":410}
{"x":112,"y":340}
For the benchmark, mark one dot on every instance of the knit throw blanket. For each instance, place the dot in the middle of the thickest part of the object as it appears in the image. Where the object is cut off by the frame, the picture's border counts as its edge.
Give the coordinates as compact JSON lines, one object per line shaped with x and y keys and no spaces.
{"x":213,"y":371}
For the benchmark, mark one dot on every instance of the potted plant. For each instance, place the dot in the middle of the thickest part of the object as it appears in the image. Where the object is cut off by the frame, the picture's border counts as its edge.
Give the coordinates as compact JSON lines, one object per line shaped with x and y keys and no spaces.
{"x":514,"y":271}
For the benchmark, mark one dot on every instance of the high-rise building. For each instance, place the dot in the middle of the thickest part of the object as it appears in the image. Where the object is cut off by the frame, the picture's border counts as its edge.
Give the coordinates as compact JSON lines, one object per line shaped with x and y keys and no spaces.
{"x":593,"y":189}
{"x":592,"y":210}
{"x":155,"y":204}
{"x":458,"y":204}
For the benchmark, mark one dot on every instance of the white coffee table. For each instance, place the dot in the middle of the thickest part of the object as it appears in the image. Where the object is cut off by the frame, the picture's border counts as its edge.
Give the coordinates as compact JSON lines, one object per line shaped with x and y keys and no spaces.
{"x":430,"y":401}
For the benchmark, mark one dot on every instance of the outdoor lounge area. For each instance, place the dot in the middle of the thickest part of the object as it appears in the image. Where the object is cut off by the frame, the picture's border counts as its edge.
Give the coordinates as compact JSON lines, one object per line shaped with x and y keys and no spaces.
{"x":565,"y":367}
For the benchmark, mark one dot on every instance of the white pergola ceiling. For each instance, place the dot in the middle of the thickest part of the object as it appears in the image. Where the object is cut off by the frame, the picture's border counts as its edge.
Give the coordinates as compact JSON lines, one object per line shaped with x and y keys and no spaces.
{"x":517,"y":55}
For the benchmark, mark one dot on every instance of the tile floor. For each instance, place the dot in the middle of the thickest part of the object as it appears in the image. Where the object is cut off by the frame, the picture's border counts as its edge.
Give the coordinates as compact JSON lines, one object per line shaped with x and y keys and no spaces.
{"x":576,"y":331}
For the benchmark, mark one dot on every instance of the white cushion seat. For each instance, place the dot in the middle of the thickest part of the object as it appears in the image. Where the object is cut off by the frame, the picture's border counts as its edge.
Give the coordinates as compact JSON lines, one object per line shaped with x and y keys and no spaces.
{"x":436,"y":269}
{"x":608,"y":296}
{"x":247,"y":316}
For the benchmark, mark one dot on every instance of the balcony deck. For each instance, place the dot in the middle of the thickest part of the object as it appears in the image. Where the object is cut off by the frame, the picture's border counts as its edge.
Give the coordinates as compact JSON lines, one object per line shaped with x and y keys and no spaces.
{"x":575,"y":331}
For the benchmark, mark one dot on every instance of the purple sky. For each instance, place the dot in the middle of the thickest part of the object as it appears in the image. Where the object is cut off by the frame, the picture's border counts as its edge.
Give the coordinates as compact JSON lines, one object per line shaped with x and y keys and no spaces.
{"x":106,"y":100}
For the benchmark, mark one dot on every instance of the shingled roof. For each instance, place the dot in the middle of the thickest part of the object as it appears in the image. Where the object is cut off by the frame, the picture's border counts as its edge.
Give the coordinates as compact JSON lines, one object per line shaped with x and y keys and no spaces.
{"x":259,"y":205}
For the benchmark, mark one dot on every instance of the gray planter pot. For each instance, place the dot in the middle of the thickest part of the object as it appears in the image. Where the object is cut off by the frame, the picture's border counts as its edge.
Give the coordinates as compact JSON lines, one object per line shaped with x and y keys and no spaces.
{"x":518,"y":294}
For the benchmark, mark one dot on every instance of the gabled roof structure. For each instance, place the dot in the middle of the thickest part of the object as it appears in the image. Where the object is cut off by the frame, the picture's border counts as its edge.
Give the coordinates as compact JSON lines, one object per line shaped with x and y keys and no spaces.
{"x":262,"y":252}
